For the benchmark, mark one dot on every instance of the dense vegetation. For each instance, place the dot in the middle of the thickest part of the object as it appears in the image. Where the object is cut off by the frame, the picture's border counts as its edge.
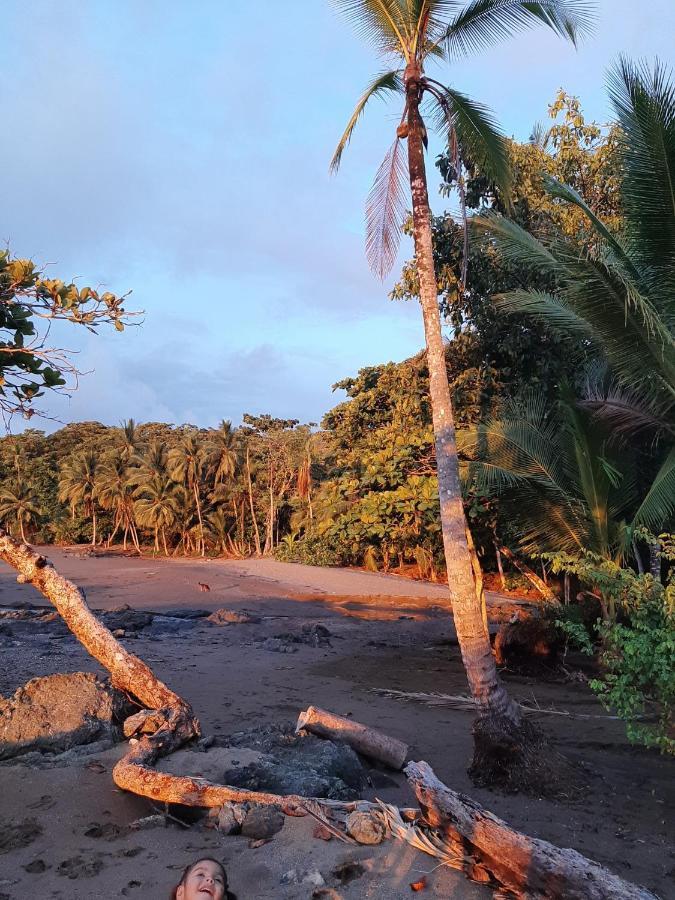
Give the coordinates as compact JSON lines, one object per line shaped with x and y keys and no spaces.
{"x":562,"y":374}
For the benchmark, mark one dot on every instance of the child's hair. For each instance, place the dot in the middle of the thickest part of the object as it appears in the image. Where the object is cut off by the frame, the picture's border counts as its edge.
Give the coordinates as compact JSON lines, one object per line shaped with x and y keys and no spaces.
{"x":186,"y":871}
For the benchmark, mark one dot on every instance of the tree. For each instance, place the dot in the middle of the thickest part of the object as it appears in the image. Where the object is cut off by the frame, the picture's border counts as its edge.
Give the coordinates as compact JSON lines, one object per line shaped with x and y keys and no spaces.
{"x":28,"y":365}
{"x":412,"y":33}
{"x":158,"y":506}
{"x":221,"y":458}
{"x":78,"y":486}
{"x":615,"y":287}
{"x":115,"y":493}
{"x":18,"y":502}
{"x":186,"y":466}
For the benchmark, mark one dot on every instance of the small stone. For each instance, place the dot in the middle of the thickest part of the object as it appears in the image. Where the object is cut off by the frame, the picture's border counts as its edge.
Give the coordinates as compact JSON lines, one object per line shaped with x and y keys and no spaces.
{"x":323,"y":833}
{"x":278,"y":645}
{"x":119,"y":633}
{"x":290,"y":877}
{"x":154,"y":821}
{"x":365,"y":827}
{"x":230,"y":818}
{"x":262,"y":822}
{"x":313,"y":877}
{"x":254,"y":844}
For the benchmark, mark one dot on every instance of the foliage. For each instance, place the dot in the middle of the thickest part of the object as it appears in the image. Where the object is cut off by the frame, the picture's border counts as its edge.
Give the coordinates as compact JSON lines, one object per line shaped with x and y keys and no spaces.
{"x":638,"y":645}
{"x":28,"y":366}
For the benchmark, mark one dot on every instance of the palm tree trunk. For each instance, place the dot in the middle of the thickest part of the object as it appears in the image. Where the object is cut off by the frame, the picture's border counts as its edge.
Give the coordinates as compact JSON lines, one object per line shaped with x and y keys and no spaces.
{"x":250,"y":499}
{"x":93,"y":526}
{"x":199,"y":516}
{"x":472,"y":634}
{"x":23,"y":533}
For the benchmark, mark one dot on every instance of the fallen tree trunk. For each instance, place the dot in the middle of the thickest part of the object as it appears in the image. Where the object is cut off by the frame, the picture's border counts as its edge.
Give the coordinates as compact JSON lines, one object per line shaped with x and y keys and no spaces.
{"x":173,"y":719}
{"x":367,"y":741}
{"x":529,"y":867}
{"x":531,"y":576}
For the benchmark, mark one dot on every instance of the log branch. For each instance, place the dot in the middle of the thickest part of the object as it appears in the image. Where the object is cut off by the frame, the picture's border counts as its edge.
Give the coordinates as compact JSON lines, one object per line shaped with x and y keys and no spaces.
{"x":529,"y":867}
{"x":367,"y":741}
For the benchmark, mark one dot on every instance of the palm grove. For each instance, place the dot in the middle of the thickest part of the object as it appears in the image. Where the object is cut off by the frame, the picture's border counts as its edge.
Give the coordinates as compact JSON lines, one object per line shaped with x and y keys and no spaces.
{"x":546,"y":421}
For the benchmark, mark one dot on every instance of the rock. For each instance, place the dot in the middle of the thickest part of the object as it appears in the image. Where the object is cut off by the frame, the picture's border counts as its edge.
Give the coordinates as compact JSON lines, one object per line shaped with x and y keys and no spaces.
{"x":262,"y":822}
{"x":316,"y":635}
{"x":322,"y":833}
{"x":231,"y":817}
{"x":290,"y":763}
{"x":313,"y":877}
{"x":126,"y":618}
{"x":232,"y":617}
{"x":290,"y":877}
{"x":365,"y":827}
{"x":279,"y":645}
{"x":118,"y":632}
{"x":59,"y":712}
{"x":154,"y":821}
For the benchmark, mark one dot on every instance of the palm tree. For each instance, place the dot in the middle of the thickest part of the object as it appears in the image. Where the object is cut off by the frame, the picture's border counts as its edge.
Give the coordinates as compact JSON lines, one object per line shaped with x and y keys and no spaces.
{"x":221,"y":452}
{"x":158,"y":505}
{"x":78,"y":485}
{"x":413,"y":32}
{"x":618,"y":291}
{"x":18,"y":502}
{"x":186,"y":466}
{"x":115,"y":493}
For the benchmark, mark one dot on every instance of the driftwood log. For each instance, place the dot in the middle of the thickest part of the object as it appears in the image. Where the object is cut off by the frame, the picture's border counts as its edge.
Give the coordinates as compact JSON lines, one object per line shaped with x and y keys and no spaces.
{"x":538,"y":583}
{"x":173,"y":721}
{"x":366,"y":741}
{"x":529,"y":867}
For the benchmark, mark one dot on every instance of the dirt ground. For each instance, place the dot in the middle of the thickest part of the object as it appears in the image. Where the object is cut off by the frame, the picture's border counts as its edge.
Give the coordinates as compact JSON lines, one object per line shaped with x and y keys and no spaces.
{"x":63,"y":829}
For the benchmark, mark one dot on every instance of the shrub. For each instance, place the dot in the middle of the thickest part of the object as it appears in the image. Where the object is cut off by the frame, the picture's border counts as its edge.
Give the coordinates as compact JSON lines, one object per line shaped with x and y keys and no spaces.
{"x":313,"y":550}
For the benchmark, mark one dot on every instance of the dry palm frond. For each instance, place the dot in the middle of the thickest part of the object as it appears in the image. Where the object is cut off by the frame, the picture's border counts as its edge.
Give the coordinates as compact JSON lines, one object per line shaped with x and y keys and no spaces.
{"x":458,"y":701}
{"x":317,"y":811}
{"x":426,"y":840}
{"x":386,"y":210}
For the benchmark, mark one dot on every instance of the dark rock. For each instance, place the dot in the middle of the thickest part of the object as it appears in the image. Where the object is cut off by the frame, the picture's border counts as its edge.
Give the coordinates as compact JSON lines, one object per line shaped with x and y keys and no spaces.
{"x":126,"y":618}
{"x":279,"y":644}
{"x":297,"y":764}
{"x":59,"y":712}
{"x":231,"y":817}
{"x":262,"y":822}
{"x":315,"y":635}
{"x":232,"y":617}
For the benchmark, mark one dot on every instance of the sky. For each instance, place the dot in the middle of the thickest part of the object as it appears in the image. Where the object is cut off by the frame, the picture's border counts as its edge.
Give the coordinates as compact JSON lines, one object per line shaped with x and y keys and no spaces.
{"x":180,"y":150}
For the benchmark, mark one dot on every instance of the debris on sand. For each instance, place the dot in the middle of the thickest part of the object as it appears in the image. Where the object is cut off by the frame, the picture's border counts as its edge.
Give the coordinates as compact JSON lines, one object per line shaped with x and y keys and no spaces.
{"x":226,"y":616}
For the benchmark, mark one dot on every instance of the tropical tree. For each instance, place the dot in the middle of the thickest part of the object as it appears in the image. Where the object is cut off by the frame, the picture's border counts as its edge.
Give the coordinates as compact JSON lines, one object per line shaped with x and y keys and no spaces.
{"x":221,"y":452}
{"x":186,"y":466}
{"x":158,"y":505}
{"x":115,"y":493}
{"x":617,"y":288}
{"x":18,"y":502}
{"x":78,"y":486}
{"x":413,"y":33}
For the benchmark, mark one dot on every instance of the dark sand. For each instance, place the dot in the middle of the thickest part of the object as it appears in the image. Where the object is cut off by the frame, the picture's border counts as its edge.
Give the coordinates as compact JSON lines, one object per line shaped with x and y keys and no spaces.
{"x":622,"y":821}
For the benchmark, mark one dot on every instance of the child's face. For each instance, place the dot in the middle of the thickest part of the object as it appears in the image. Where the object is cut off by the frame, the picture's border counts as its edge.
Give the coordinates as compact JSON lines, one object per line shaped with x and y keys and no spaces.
{"x":205,"y":879}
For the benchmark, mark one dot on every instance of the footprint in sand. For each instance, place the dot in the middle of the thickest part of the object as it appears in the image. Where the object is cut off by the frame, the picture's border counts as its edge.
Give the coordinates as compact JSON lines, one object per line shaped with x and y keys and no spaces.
{"x":14,"y":835}
{"x":79,"y":867}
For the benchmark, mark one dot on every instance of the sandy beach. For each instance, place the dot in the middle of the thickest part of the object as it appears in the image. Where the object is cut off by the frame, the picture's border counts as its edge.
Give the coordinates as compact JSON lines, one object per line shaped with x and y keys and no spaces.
{"x":65,"y":829}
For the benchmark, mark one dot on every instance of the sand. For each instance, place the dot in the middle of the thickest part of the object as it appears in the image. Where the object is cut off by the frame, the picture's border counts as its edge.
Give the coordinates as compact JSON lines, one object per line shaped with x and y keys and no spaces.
{"x":387,"y":632}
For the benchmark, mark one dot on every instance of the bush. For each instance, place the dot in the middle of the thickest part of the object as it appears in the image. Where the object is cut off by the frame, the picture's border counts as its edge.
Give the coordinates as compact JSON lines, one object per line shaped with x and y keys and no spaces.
{"x":313,"y":550}
{"x":637,"y":659}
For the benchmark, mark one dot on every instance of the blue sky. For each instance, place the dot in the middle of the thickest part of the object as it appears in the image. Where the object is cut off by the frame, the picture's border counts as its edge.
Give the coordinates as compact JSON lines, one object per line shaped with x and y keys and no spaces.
{"x":181,"y":150}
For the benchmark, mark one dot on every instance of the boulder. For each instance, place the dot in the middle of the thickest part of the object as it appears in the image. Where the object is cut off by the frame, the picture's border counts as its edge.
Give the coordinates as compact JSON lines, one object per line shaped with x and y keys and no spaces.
{"x":232,"y":617}
{"x":262,"y":822}
{"x":126,"y":618}
{"x":366,"y":827}
{"x":56,"y":713}
{"x":528,"y":645}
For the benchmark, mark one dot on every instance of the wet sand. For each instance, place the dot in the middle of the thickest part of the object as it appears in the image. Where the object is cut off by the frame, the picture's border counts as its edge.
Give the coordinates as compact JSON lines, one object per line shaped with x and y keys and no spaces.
{"x":387,"y":633}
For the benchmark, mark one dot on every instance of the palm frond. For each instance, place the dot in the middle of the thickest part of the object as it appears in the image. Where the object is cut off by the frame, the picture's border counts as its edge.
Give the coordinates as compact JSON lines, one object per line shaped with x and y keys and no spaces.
{"x":478,"y":136}
{"x":546,"y":307}
{"x":658,"y":508}
{"x":644,"y":101}
{"x":386,"y":210}
{"x":516,"y":244}
{"x":387,"y":82}
{"x":485,"y":22}
{"x":626,"y":410}
{"x":386,"y":24}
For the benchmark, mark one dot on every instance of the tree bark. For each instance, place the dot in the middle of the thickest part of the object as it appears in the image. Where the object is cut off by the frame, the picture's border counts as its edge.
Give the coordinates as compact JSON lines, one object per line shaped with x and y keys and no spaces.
{"x":472,"y":634}
{"x":256,"y":532}
{"x":531,"y":576}
{"x":367,"y":741}
{"x":529,"y":867}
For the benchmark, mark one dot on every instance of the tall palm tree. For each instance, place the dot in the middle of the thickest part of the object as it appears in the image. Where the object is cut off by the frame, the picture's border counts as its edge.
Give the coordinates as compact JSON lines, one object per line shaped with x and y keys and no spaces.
{"x":18,"y":502}
{"x":115,"y":493}
{"x":158,"y":505}
{"x":186,"y":466}
{"x":78,"y":485}
{"x":413,"y":33}
{"x":221,"y":452}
